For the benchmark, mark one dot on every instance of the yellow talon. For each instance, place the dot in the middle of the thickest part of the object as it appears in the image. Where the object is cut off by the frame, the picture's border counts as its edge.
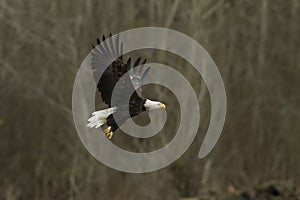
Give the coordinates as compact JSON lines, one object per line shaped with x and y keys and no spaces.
{"x":109,"y":135}
{"x":107,"y":130}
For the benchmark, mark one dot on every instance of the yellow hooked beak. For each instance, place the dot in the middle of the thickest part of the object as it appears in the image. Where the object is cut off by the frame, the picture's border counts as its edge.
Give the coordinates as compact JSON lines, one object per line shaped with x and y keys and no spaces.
{"x":163,"y":106}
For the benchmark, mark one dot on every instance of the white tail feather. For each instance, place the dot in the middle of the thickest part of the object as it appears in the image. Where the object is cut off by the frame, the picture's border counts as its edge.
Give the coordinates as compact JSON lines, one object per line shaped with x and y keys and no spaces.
{"x":99,"y":117}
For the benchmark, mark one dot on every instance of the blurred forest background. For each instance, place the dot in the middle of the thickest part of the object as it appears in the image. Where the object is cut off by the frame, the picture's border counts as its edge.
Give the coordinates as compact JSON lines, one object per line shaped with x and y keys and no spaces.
{"x":255,"y":44}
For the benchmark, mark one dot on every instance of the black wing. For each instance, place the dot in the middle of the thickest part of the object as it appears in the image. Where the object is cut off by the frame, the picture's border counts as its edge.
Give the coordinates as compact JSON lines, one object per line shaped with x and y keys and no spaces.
{"x":138,"y":74}
{"x":103,"y":55}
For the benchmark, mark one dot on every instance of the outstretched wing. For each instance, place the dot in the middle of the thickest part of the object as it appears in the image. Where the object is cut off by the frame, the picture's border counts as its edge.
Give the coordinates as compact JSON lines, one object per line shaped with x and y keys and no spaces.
{"x":138,"y":74}
{"x":103,"y":55}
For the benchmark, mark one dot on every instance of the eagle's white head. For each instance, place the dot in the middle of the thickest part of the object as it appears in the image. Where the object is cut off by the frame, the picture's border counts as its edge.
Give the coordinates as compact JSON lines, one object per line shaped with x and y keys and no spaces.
{"x":153,"y":105}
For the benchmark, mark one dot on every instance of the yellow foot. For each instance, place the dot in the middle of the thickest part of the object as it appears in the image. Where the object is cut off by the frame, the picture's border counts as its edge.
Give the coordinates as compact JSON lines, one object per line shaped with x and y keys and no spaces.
{"x":108,"y":132}
{"x":109,"y":135}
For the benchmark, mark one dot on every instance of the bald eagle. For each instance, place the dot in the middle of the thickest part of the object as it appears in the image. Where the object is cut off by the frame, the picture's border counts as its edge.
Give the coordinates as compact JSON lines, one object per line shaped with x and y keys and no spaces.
{"x":133,"y":81}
